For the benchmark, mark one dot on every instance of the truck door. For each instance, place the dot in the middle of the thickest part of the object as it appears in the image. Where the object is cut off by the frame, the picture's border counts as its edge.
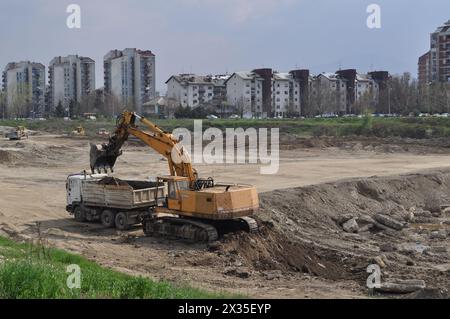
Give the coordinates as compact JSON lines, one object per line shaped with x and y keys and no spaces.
{"x":73,"y":190}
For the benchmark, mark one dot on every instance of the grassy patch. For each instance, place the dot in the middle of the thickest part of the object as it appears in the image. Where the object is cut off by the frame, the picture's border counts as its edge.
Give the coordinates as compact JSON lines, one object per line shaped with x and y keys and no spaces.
{"x":379,"y":127}
{"x":35,"y":272}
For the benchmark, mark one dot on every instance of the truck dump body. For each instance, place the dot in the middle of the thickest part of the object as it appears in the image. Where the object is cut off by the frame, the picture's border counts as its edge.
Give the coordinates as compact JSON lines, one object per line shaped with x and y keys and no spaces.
{"x":121,"y":194}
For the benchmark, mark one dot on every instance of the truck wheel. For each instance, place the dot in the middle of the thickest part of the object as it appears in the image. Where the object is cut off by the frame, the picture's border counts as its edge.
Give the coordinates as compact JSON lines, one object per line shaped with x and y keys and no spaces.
{"x":107,"y":219}
{"x":79,"y":214}
{"x":122,"y":221}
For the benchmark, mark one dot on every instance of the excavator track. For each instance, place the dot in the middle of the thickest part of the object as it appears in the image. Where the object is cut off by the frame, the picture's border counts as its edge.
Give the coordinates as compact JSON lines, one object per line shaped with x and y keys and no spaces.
{"x":181,"y":228}
{"x":251,"y":224}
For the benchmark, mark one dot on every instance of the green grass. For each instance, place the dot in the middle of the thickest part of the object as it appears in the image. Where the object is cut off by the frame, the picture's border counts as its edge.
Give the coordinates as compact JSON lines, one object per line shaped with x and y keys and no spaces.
{"x":379,"y":127}
{"x":35,"y":272}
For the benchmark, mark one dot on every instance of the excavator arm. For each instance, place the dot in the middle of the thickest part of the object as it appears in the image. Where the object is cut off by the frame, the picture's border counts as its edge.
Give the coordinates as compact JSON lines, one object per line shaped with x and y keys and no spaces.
{"x":104,"y":157}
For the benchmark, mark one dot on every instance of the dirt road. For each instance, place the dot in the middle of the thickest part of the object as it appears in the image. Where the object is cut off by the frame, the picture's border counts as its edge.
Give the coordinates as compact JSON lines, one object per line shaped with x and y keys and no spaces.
{"x":32,"y":189}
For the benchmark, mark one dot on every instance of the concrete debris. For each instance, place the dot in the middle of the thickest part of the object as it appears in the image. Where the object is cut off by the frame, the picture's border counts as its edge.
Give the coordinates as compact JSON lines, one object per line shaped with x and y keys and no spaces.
{"x":379,"y":261}
{"x":389,"y":222}
{"x":237,"y":272}
{"x":442,"y":234}
{"x":397,"y":286}
{"x":351,"y":226}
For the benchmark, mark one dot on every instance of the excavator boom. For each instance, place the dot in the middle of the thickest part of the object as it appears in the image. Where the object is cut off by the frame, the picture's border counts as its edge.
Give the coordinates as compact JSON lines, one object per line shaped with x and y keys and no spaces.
{"x":103,"y":157}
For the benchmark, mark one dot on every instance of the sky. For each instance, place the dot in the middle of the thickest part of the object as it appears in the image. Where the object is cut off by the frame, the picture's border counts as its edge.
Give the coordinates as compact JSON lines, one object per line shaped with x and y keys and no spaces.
{"x":224,"y":36}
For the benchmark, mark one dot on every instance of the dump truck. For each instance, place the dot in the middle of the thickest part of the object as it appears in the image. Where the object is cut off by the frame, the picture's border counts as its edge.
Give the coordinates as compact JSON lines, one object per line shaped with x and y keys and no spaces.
{"x":116,"y":203}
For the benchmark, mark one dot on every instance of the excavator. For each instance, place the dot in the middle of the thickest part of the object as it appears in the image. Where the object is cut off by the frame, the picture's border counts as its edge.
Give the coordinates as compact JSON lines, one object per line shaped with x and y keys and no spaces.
{"x":194,"y":208}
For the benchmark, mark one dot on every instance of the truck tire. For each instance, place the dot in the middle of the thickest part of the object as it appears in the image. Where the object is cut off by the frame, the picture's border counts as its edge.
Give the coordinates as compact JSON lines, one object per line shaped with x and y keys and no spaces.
{"x":122,"y":221}
{"x":108,"y":219}
{"x":79,"y":214}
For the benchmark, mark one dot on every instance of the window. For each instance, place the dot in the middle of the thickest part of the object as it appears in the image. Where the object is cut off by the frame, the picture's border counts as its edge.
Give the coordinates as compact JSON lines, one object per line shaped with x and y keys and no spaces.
{"x":183,"y":185}
{"x":172,"y":190}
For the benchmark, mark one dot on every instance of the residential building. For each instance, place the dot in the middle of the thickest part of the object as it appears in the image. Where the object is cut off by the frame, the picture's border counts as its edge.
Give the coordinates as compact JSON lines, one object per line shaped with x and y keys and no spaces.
{"x":285,"y":95}
{"x":440,"y":54}
{"x":24,"y":85}
{"x":190,"y":90}
{"x":265,"y":93}
{"x":70,"y":79}
{"x":329,"y":94}
{"x":425,"y":68}
{"x":245,"y":92}
{"x":130,"y":76}
{"x":366,"y":86}
{"x":304,"y":79}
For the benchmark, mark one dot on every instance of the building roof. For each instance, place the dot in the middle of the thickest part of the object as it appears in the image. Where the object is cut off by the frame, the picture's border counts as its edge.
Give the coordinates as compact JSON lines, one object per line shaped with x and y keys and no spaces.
{"x":363,"y":77}
{"x":281,"y":76}
{"x":191,"y":79}
{"x":330,"y":76}
{"x":246,"y":75}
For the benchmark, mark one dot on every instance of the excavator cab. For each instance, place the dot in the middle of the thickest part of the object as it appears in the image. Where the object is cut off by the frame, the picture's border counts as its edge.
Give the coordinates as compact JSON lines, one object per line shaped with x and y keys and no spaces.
{"x":175,"y":184}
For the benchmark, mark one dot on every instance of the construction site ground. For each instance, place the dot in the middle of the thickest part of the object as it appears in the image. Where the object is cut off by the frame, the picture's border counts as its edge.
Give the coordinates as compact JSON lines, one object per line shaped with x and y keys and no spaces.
{"x":302,"y":250}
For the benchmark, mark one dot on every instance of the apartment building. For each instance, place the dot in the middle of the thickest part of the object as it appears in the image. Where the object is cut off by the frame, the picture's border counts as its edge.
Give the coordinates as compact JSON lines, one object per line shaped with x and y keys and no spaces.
{"x":342,"y":92}
{"x":245,"y":92}
{"x":130,"y":75}
{"x":285,"y":95}
{"x":70,"y":79}
{"x":434,"y":66}
{"x":24,"y":85}
{"x":440,"y":54}
{"x":329,"y":93}
{"x":424,"y":67}
{"x":190,"y":90}
{"x":366,"y":88}
{"x":265,"y":93}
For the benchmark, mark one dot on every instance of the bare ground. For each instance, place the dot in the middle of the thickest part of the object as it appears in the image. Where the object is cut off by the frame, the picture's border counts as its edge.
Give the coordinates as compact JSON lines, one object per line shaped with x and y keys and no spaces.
{"x":301,"y":251}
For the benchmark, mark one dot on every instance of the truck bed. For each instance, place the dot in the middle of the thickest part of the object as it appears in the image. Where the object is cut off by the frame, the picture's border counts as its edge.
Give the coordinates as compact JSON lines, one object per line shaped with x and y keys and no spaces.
{"x":127,"y":196}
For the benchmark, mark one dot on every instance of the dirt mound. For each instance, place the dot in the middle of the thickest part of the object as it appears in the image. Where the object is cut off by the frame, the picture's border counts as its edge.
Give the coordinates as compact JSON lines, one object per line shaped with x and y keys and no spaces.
{"x":430,"y":294}
{"x":367,"y":144}
{"x":302,"y":230}
{"x":8,"y":157}
{"x":270,"y":250}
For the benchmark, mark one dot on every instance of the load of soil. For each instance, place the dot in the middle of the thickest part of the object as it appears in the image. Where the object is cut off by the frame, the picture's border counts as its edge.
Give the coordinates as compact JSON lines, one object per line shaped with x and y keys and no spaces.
{"x":136,"y":185}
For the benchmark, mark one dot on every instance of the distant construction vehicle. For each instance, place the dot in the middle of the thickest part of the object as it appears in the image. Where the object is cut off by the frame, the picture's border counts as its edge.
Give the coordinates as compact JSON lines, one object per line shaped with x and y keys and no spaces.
{"x":17,"y":134}
{"x":79,"y":131}
{"x":180,"y":205}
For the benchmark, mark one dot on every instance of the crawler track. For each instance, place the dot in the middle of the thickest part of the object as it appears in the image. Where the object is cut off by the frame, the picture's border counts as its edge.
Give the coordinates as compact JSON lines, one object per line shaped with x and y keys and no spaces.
{"x":180,"y":228}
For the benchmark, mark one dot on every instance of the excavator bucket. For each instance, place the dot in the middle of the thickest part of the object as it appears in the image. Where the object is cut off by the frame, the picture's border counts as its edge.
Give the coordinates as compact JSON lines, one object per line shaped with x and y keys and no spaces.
{"x":102,"y":159}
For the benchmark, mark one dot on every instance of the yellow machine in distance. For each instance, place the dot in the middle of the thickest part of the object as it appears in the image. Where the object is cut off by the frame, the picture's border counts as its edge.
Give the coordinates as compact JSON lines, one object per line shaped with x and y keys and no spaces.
{"x":194,"y":208}
{"x":79,"y":131}
{"x":17,"y":134}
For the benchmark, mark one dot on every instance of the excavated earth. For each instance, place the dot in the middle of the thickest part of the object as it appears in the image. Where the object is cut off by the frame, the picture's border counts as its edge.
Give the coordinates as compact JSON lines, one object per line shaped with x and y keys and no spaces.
{"x":304,"y":248}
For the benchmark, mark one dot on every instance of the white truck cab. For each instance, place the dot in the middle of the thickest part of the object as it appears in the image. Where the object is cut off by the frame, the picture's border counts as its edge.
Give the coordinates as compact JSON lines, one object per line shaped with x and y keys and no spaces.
{"x":73,"y":186}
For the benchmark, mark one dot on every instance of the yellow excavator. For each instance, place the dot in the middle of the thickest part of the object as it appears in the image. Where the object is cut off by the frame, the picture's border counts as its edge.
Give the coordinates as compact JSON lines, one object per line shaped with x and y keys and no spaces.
{"x":194,"y":208}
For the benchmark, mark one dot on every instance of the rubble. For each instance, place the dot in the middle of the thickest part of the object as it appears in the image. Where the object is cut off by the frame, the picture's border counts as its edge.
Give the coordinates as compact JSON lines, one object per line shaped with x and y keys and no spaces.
{"x":389,"y":222}
{"x":397,"y":286}
{"x":351,"y":226}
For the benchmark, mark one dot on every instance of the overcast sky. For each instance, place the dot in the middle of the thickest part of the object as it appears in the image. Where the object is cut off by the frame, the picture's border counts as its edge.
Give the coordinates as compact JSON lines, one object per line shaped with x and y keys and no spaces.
{"x":218,"y":36}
